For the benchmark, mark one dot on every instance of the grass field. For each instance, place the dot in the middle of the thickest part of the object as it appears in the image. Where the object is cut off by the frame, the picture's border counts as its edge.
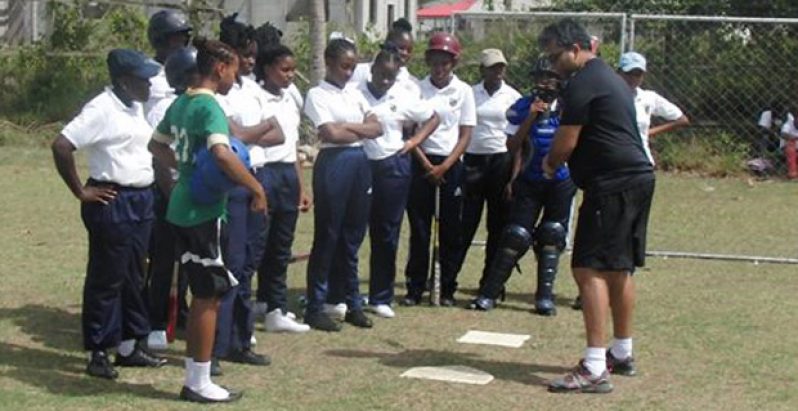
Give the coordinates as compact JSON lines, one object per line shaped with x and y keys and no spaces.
{"x":710,"y":335}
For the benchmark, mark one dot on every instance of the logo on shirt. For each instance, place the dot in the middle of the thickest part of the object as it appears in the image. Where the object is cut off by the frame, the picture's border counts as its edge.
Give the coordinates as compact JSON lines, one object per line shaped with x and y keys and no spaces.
{"x":452,"y":102}
{"x":393,"y":107}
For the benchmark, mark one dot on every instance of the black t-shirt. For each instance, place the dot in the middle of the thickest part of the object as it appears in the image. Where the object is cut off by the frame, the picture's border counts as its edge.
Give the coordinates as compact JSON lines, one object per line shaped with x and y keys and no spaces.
{"x":609,"y":155}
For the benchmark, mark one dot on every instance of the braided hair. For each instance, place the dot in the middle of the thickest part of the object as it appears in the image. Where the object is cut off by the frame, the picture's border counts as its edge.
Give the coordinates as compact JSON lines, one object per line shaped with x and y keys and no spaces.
{"x":236,"y":34}
{"x":211,"y":52}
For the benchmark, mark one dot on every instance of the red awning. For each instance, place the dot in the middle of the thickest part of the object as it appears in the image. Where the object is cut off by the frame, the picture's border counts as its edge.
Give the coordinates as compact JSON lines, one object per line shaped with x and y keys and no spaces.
{"x":444,"y":10}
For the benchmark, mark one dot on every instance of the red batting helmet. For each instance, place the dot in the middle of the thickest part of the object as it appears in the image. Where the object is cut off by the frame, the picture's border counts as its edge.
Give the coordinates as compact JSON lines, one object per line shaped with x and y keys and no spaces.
{"x":444,"y":42}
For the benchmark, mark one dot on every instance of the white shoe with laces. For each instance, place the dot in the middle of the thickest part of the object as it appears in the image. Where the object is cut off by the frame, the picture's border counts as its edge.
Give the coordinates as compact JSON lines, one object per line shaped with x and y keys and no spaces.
{"x":381,"y":310}
{"x":277,"y":322}
{"x":335,"y":311}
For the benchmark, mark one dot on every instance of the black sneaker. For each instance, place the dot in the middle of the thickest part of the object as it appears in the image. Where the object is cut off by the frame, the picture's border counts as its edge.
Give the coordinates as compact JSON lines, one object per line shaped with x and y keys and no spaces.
{"x":577,"y":304}
{"x":545,"y":307}
{"x":482,"y":304}
{"x":100,"y":366}
{"x":322,"y":322}
{"x":216,"y":368}
{"x":411,"y":300}
{"x":358,"y":319}
{"x":448,"y":301}
{"x":187,"y":394}
{"x":621,"y":367}
{"x":247,"y":356}
{"x":139,"y":358}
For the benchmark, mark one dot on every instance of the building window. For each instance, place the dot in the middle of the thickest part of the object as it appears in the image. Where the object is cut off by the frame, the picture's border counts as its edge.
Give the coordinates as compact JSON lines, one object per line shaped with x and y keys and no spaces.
{"x":373,"y":11}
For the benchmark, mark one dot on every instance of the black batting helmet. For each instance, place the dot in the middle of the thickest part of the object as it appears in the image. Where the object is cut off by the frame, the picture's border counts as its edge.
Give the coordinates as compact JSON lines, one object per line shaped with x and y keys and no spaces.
{"x":179,"y":68}
{"x":165,"y":23}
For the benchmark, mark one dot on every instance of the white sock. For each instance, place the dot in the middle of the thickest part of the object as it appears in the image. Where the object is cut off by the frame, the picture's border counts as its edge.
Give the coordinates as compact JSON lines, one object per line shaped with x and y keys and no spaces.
{"x":596,"y":360}
{"x":191,"y":378}
{"x":621,"y":348}
{"x":126,"y":347}
{"x":198,"y":379}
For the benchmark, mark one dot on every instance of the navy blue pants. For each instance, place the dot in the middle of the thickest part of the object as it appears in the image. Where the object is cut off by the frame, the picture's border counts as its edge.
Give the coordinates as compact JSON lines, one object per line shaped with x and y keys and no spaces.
{"x":390,"y":184}
{"x":282,"y":187}
{"x":342,"y":193}
{"x":163,"y":255}
{"x":485,"y":177}
{"x":544,"y":200}
{"x":241,"y":249}
{"x":420,"y":210}
{"x":114,"y":308}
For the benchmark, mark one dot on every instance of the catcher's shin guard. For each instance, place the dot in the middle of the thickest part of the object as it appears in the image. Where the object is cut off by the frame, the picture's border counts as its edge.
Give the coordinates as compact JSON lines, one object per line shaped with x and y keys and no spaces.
{"x":549,"y":243}
{"x":515,"y":241}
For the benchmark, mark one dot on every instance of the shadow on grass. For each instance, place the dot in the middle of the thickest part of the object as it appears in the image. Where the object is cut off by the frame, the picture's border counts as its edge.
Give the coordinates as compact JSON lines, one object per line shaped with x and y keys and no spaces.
{"x":62,"y":374}
{"x":60,"y":330}
{"x":510,"y":371}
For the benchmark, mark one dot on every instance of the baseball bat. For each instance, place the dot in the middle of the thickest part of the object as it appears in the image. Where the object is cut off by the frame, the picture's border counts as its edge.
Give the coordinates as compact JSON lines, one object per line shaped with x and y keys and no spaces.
{"x":435,"y":293}
{"x":171,"y":325}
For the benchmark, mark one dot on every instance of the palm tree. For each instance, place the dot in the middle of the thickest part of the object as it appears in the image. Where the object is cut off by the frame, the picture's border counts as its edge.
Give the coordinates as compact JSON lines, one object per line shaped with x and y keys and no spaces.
{"x":318,"y":35}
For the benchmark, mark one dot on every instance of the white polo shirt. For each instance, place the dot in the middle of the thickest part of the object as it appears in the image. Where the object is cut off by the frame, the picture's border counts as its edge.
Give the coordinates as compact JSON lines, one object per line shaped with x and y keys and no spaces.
{"x":285,"y":109}
{"x":327,"y":103}
{"x":648,"y":103}
{"x":788,"y":130}
{"x":159,"y":90}
{"x":157,"y":112}
{"x":393,"y":109}
{"x":245,"y":104}
{"x":489,"y":135}
{"x":455,"y":107}
{"x":405,"y":80}
{"x":115,"y":138}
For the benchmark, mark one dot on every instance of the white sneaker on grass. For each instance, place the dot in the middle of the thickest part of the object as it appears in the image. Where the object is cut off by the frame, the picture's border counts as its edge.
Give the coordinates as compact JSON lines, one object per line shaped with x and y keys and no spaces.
{"x":277,"y":322}
{"x":253,"y":341}
{"x":157,"y":341}
{"x":381,"y":310}
{"x":335,"y":311}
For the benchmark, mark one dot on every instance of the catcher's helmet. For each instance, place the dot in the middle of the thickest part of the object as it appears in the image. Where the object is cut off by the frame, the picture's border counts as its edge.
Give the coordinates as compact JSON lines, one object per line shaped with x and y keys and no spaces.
{"x":179,"y":67}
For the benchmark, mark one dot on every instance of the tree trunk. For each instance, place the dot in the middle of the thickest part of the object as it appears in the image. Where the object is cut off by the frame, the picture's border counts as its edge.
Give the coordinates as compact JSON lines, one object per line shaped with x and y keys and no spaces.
{"x":318,"y":37}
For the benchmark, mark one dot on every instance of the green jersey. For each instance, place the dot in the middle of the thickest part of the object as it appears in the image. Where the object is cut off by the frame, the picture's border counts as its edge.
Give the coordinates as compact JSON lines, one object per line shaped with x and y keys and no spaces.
{"x":194,"y":120}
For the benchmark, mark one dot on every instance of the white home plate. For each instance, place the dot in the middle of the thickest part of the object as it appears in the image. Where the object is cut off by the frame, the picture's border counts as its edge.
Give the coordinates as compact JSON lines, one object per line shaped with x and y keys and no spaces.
{"x":489,"y":338}
{"x":450,"y":373}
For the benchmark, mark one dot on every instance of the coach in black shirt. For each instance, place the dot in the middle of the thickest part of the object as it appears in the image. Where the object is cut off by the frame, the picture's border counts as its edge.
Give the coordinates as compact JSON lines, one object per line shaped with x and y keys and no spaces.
{"x":598,"y":137}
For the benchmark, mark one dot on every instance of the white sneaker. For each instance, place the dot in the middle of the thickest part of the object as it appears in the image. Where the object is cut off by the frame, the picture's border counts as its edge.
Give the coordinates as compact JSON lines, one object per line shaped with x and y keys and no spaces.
{"x":290,"y":315}
{"x":381,"y":310}
{"x":157,"y":341}
{"x":335,"y":311}
{"x":253,"y":341}
{"x":260,"y":309}
{"x":277,"y":322}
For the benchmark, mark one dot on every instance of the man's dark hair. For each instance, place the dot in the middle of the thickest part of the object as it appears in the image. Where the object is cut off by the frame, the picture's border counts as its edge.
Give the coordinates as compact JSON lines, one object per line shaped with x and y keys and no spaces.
{"x":565,"y":33}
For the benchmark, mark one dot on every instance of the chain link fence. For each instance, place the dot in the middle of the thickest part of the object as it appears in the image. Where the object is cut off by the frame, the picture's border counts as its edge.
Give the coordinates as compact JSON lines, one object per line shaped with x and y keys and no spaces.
{"x":516,"y":33}
{"x":724,"y":73}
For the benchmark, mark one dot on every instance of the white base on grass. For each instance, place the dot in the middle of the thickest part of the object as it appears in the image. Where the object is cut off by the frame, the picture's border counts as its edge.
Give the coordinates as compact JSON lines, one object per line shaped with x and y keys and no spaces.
{"x":450,"y":373}
{"x":491,"y":338}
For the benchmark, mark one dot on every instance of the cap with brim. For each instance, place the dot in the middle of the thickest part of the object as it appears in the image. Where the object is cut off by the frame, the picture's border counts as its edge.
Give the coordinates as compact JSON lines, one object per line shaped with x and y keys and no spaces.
{"x":491,"y":57}
{"x":131,"y":62}
{"x":632,"y":61}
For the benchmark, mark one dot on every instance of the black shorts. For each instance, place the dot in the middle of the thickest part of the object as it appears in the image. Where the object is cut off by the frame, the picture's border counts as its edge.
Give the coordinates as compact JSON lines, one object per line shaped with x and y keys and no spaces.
{"x":611,"y":230}
{"x":201,"y":257}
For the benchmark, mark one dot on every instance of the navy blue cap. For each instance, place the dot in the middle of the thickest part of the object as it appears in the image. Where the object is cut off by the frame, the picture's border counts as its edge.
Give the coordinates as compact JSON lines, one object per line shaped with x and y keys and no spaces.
{"x":131,"y":62}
